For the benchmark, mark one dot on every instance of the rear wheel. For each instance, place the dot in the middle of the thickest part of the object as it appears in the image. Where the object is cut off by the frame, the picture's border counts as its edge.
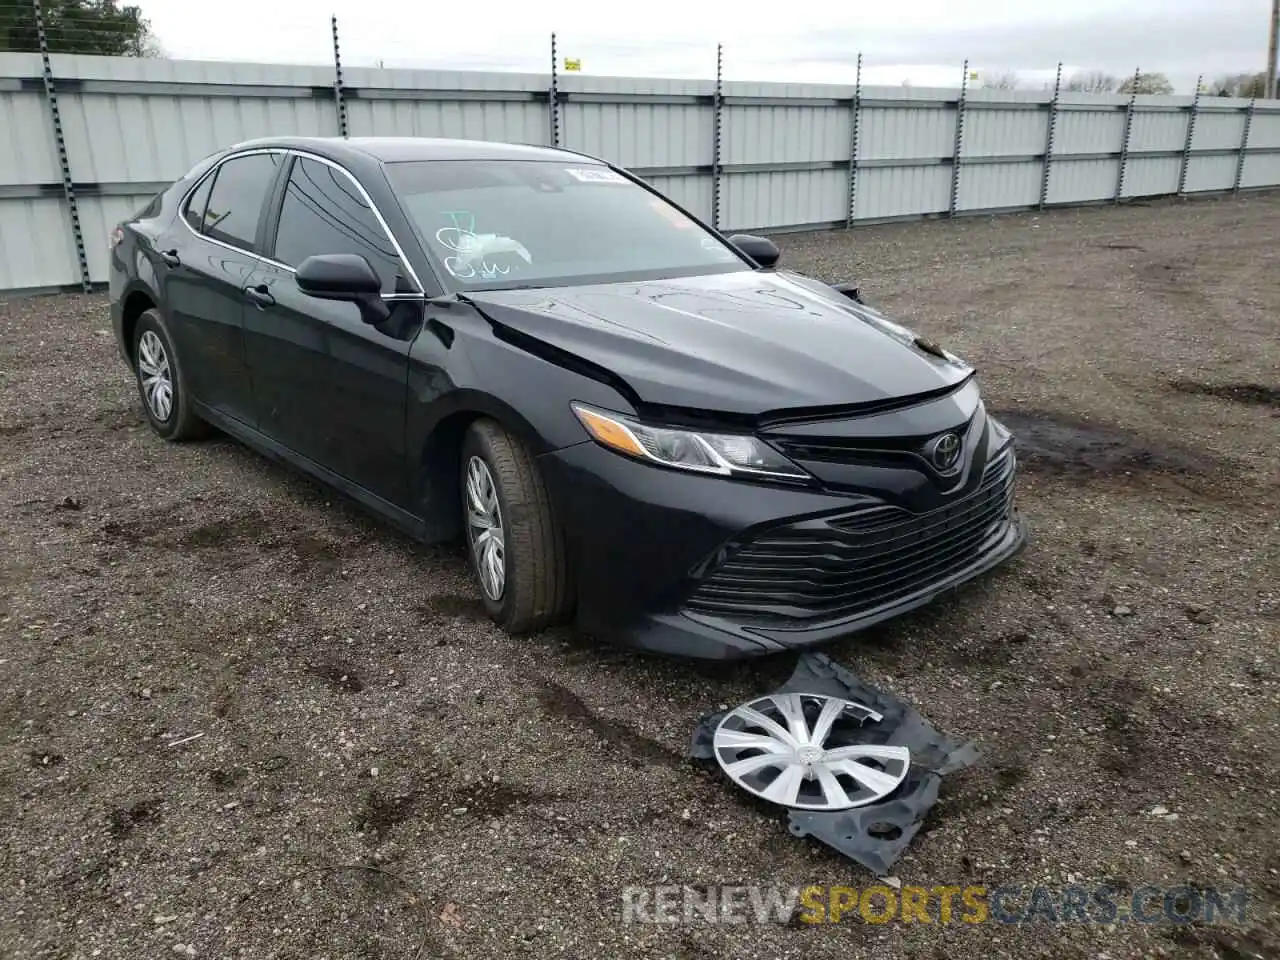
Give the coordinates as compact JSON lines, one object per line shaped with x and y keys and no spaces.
{"x":160,"y":382}
{"x":516,"y":548}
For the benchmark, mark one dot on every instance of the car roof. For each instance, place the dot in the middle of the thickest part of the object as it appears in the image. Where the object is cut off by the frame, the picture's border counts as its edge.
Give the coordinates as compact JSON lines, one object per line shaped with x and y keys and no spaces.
{"x":401,"y":149}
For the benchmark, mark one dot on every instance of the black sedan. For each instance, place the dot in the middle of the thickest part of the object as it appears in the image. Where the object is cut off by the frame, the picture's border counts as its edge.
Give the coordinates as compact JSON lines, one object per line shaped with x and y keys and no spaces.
{"x":634,"y":422}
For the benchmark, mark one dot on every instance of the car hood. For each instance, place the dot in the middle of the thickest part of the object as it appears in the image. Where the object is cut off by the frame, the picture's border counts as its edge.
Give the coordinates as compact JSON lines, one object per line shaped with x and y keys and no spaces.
{"x":744,"y":343}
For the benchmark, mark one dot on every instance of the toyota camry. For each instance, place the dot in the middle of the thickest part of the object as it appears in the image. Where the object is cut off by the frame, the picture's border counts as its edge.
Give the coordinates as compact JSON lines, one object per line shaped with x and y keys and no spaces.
{"x":632,"y":421}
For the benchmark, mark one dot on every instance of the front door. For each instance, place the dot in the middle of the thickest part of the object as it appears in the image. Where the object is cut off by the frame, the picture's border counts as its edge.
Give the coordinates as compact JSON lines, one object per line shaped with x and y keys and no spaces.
{"x":327,"y":384}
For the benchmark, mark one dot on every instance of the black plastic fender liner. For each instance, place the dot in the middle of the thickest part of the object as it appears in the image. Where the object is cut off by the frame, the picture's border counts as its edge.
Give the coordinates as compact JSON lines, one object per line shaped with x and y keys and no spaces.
{"x":877,"y":834}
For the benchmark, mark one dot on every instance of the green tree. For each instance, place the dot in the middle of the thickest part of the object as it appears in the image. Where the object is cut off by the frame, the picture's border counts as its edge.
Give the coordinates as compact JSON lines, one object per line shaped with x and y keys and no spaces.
{"x":102,"y":27}
{"x":1148,"y":83}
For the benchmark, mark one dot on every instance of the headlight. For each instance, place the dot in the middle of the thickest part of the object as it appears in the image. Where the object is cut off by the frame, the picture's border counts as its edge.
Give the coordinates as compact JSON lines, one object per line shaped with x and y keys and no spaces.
{"x":726,"y":454}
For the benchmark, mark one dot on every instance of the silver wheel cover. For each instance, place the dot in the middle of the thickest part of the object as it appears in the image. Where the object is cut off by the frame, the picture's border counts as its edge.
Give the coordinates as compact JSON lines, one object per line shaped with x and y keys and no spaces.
{"x":155,"y":375}
{"x":799,"y":750}
{"x":484,"y":529}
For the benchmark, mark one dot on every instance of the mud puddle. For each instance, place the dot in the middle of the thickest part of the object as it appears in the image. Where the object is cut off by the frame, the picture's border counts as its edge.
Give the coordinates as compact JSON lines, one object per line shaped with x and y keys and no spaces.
{"x":1255,"y":394}
{"x":1055,"y":443}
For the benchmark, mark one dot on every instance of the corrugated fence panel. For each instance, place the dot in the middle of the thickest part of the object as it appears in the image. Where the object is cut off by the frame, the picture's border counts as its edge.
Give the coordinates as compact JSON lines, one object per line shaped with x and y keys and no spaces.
{"x":902,"y":133}
{"x":1265,"y":130}
{"x":1088,"y":131}
{"x":1151,"y":176}
{"x":1161,"y":130}
{"x":998,"y":186}
{"x":35,"y":245}
{"x":1218,"y":131}
{"x":1260,"y":170}
{"x":885,"y":192}
{"x":467,"y":119}
{"x":131,"y":124}
{"x":1083,"y":181}
{"x":27,"y":152}
{"x":1004,"y":133}
{"x":1210,"y":173}
{"x":671,"y":131}
{"x":641,"y":134}
{"x":772,"y":134}
{"x":754,"y":200}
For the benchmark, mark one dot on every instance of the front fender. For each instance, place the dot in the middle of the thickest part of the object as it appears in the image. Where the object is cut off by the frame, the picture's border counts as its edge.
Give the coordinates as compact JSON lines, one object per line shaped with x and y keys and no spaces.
{"x":468,"y":374}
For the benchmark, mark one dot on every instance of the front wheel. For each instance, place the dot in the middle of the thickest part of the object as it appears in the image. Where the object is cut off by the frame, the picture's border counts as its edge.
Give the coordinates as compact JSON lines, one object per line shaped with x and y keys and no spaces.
{"x":516,"y":548}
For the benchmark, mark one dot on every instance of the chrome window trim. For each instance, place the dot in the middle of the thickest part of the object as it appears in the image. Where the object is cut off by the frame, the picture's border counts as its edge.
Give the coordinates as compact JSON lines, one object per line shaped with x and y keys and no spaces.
{"x":364,"y":194}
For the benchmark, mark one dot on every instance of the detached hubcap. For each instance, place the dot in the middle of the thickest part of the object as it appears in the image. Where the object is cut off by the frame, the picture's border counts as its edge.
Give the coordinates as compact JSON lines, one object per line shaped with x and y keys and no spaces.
{"x":484,"y":527}
{"x":808,"y":751}
{"x":153,"y":370}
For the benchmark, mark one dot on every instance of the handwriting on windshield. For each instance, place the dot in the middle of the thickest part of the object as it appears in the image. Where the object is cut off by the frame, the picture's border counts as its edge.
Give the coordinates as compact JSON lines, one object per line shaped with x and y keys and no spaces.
{"x":477,"y":255}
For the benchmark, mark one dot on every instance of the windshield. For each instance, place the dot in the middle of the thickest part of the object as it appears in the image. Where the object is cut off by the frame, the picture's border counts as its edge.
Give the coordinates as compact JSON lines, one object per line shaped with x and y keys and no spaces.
{"x":498,"y":224}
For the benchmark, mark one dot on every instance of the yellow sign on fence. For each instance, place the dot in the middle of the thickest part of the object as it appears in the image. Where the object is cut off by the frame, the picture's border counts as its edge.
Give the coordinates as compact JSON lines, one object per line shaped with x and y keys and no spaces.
{"x":573,"y":65}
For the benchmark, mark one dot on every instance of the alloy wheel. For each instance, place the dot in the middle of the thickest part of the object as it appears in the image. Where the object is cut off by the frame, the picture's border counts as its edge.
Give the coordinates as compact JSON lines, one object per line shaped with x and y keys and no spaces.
{"x":484,"y":526}
{"x":156,"y":375}
{"x":800,"y":750}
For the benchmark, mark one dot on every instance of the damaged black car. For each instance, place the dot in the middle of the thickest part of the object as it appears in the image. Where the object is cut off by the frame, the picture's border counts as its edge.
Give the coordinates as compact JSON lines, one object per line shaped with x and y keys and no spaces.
{"x":633,"y":422}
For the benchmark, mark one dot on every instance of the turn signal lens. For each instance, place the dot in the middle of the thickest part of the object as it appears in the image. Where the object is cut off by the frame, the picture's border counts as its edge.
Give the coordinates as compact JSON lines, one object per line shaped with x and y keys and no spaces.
{"x":609,"y":432}
{"x":719,"y":453}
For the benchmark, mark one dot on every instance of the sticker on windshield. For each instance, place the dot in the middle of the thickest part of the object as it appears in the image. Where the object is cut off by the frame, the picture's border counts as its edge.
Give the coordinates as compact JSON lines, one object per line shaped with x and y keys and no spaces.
{"x":595,"y":175}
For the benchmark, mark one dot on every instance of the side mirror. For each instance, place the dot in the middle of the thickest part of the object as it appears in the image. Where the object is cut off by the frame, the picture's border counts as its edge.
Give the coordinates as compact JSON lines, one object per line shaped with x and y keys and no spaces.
{"x":347,"y":277}
{"x":759,"y":249}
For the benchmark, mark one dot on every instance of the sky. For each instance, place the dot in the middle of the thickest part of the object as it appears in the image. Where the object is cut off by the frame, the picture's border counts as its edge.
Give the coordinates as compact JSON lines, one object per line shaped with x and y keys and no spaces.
{"x":921,"y":42}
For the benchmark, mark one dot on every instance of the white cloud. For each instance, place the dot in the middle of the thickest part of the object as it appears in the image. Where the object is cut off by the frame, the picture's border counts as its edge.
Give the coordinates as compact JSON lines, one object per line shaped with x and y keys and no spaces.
{"x":921,"y":41}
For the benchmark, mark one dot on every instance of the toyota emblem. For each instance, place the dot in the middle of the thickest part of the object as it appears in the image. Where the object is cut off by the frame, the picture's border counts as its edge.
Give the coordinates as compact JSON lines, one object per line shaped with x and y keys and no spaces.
{"x":944,"y":452}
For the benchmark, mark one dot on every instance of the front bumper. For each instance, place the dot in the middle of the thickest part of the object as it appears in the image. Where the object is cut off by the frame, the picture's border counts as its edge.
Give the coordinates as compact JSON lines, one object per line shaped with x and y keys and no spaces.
{"x":705,"y":567}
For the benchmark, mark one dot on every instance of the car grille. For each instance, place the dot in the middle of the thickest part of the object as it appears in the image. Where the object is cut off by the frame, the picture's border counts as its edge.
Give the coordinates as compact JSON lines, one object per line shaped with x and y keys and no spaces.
{"x":838,"y":567}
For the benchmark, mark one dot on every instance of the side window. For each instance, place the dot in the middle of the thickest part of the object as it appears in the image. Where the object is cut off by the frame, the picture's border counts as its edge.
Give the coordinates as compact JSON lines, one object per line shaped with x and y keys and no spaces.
{"x":323,"y":212}
{"x":193,"y":212}
{"x":236,"y":201}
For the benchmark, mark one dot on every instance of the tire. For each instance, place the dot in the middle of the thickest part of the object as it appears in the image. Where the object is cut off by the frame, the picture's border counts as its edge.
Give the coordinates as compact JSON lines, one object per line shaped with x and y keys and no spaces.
{"x":153,"y":351}
{"x":536,"y":591}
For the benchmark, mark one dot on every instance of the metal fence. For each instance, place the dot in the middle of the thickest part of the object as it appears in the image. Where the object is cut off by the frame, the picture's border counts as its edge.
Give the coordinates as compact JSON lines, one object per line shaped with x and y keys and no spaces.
{"x":86,"y":140}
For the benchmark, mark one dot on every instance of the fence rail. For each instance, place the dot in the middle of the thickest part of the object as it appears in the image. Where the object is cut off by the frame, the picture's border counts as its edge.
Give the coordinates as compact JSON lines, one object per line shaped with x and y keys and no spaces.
{"x":88,"y":140}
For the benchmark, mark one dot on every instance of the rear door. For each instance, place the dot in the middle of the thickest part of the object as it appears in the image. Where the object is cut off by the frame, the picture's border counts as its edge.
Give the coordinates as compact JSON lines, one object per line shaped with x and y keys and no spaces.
{"x":329,"y":385}
{"x":211,"y":257}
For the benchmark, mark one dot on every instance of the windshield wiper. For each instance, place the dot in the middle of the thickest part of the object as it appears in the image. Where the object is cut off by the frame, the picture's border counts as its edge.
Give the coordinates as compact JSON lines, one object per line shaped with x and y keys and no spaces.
{"x":515,"y":286}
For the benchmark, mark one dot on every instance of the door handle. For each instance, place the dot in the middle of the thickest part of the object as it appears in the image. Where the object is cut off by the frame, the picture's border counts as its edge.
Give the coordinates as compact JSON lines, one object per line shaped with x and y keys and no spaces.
{"x":260,"y":295}
{"x":171,"y":258}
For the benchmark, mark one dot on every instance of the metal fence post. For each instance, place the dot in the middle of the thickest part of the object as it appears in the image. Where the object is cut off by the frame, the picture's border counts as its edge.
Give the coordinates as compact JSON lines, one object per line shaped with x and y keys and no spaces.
{"x":337,"y":81}
{"x":959,"y":147}
{"x":68,"y":187}
{"x":717,"y":145}
{"x":1191,"y":135}
{"x":1244,"y":145}
{"x":854,"y":121}
{"x":555,"y":96}
{"x":1128,"y":132}
{"x":1050,"y":132}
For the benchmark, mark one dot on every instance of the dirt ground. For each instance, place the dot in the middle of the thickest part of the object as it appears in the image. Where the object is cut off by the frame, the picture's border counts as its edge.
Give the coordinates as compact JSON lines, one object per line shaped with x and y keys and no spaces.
{"x":241,"y":719}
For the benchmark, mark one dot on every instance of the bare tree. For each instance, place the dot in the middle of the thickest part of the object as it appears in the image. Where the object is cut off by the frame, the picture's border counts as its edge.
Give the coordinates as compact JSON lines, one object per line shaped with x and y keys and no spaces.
{"x":1008,"y":80}
{"x":1148,"y":83}
{"x":1240,"y":85}
{"x":1091,"y":81}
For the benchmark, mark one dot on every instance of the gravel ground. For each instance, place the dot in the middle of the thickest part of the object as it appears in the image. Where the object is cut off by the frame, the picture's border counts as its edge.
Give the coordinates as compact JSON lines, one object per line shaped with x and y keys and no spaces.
{"x":380,"y":773}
